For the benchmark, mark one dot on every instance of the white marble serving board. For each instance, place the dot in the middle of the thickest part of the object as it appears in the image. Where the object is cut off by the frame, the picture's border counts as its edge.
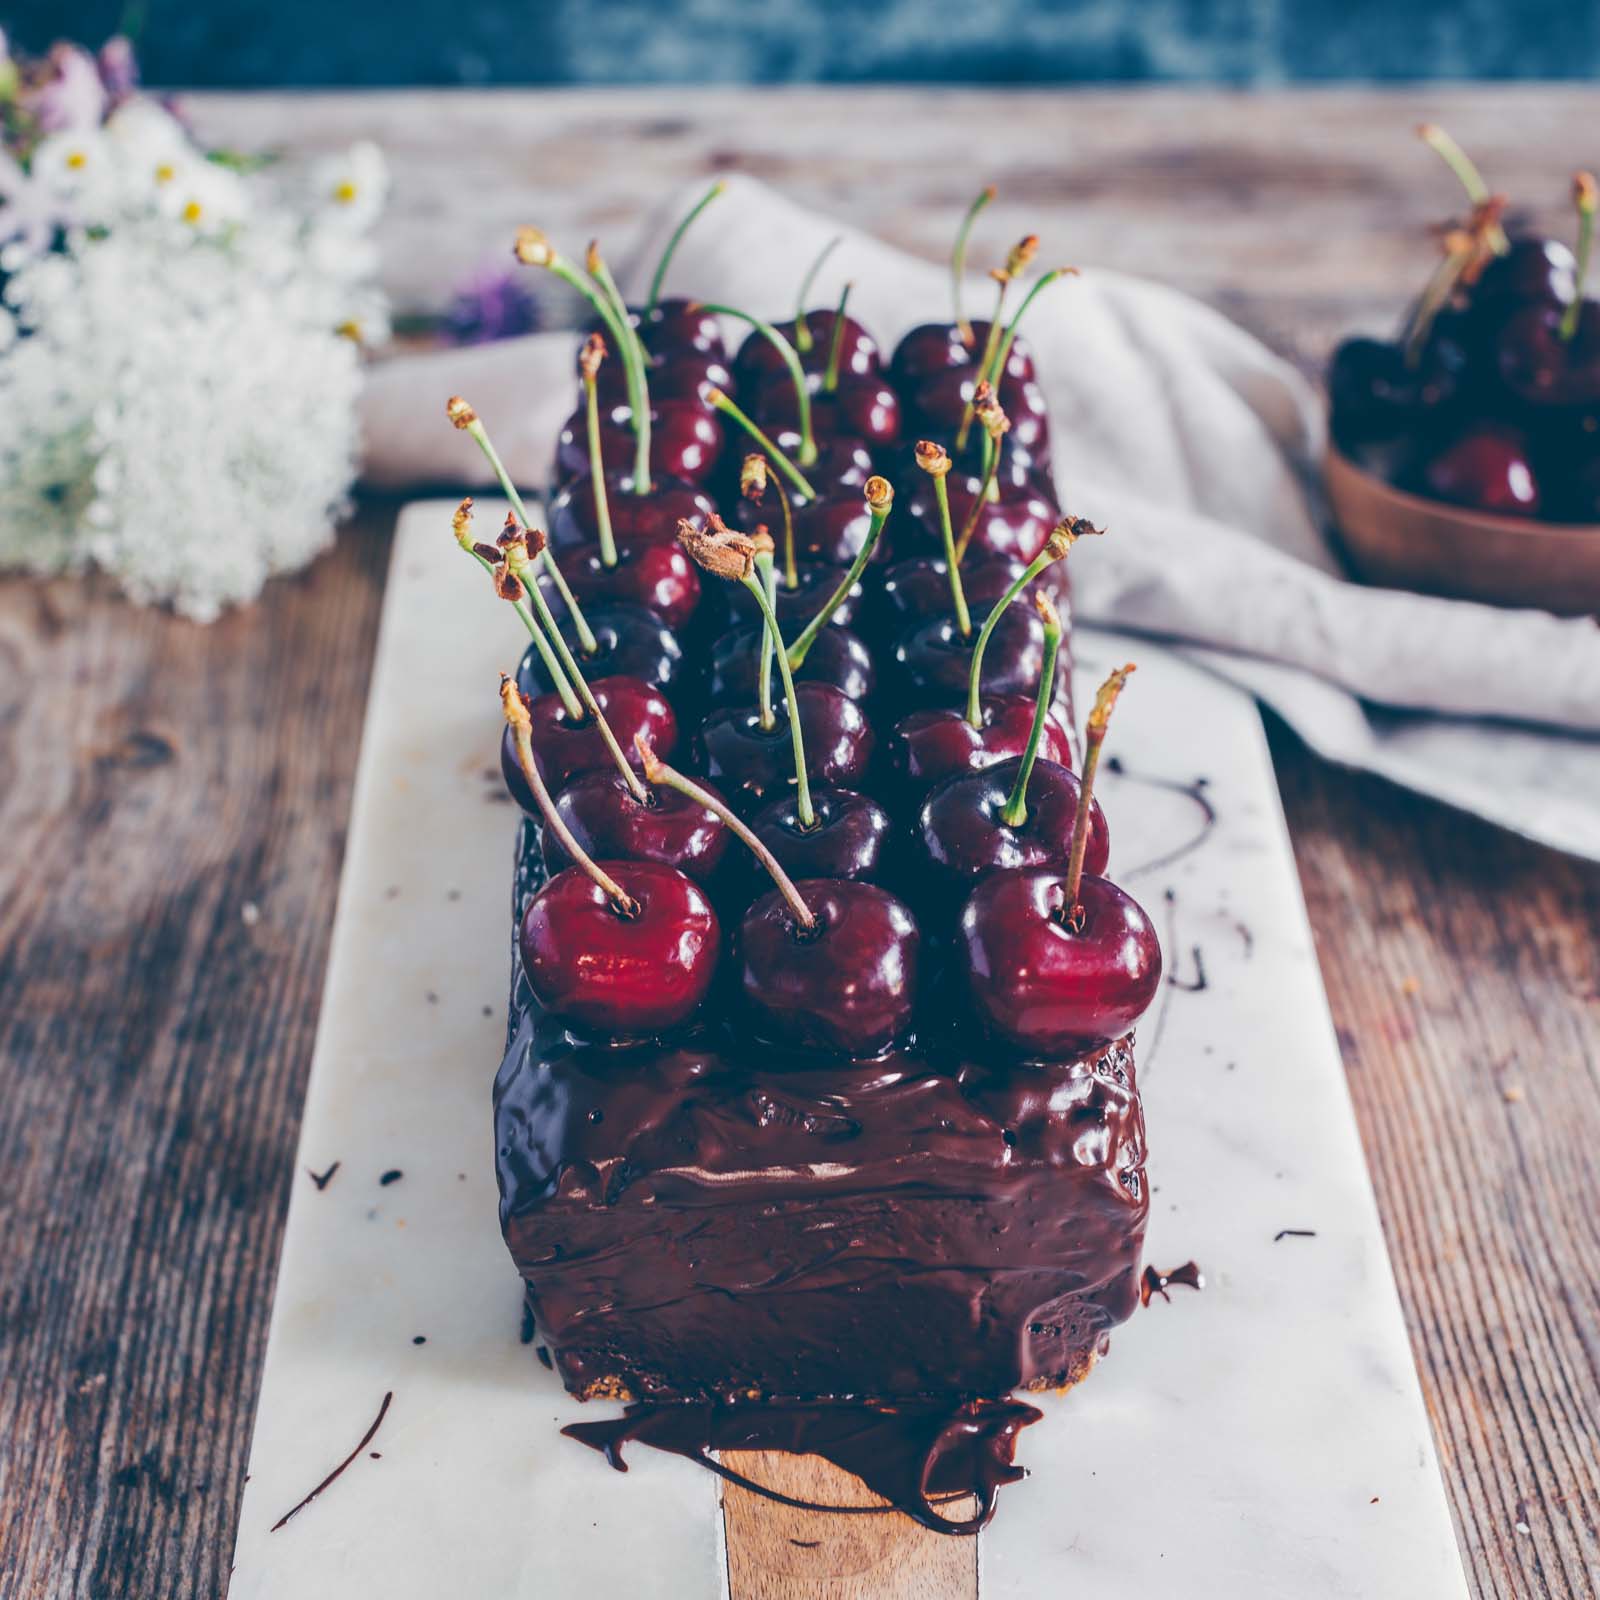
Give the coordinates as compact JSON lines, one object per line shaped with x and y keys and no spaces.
{"x":1264,"y":1438}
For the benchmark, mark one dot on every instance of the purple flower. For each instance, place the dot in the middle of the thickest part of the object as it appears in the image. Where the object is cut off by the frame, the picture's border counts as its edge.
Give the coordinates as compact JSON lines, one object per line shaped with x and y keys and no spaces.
{"x":64,"y":92}
{"x":119,"y":68}
{"x":491,"y":304}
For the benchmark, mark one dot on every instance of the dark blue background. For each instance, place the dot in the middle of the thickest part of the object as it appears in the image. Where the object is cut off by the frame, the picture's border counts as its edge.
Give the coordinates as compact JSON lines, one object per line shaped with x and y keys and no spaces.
{"x":229,"y":43}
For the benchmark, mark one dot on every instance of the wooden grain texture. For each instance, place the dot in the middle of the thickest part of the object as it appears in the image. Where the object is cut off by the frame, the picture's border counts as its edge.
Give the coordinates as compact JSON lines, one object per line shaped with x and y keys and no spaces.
{"x":153,"y":1045}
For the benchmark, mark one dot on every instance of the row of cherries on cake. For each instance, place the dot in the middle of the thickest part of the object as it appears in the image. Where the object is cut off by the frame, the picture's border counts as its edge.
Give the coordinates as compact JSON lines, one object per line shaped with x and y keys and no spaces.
{"x":631,"y":944}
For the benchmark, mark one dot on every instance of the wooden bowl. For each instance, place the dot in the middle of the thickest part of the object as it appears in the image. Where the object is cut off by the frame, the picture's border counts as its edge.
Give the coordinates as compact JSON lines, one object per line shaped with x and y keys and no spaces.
{"x":1406,"y":542}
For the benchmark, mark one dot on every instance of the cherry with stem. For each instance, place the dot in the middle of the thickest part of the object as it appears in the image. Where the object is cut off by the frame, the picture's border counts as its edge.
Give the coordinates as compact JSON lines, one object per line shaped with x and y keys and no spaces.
{"x":807,"y":453}
{"x":935,"y":461}
{"x":958,"y":262}
{"x":594,"y":352}
{"x":879,"y":494}
{"x":675,"y":239}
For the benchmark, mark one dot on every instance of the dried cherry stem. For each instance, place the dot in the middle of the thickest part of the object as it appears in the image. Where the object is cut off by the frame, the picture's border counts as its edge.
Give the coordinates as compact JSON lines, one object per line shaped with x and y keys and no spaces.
{"x":1063,"y":536}
{"x":635,"y":359}
{"x":488,"y":556}
{"x":467,"y":420}
{"x":807,"y":453}
{"x":521,"y":724}
{"x":958,"y":263}
{"x":1094,"y":735}
{"x":995,"y":426}
{"x":1014,"y":813}
{"x":1003,"y":354}
{"x":880,"y":501}
{"x":594,"y":352}
{"x":659,"y":773}
{"x":533,"y":249}
{"x":935,"y":461}
{"x":802,"y":334}
{"x":1466,"y":171}
{"x":1584,"y":196}
{"x":830,"y":377}
{"x":675,"y":239}
{"x":718,"y":401}
{"x":753,"y":482}
{"x":727,"y":554}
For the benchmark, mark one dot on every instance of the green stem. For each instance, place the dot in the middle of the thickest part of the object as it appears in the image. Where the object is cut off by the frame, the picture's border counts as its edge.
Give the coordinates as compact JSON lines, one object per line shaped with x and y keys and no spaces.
{"x":1466,"y":171}
{"x":879,"y":511}
{"x":1015,"y":811}
{"x":586,"y":639}
{"x":974,"y":678}
{"x":990,"y":472}
{"x":802,"y":392}
{"x":808,"y":817}
{"x":597,"y":474}
{"x":677,"y":239}
{"x":720,"y":402}
{"x":1003,"y":354}
{"x":791,"y":568}
{"x":552,"y":665}
{"x":990,"y":345}
{"x":958,"y":261}
{"x":802,"y":334}
{"x":957,"y":594}
{"x":1584,"y":193}
{"x":1435,"y":295}
{"x":769,"y":587}
{"x":830,"y":378}
{"x":636,"y":363}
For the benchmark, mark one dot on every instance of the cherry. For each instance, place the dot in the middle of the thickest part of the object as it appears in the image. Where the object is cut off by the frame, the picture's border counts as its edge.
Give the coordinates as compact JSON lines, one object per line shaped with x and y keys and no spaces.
{"x":611,"y":823}
{"x":938,"y":405}
{"x":743,"y":757}
{"x":846,"y":839}
{"x":636,"y":519}
{"x":567,"y":746}
{"x":685,"y":442}
{"x":843,"y":982}
{"x":654,"y":576}
{"x":1376,"y":394}
{"x":685,"y":375}
{"x":834,"y":530}
{"x":858,"y":350}
{"x":627,"y":947}
{"x":933,"y":658}
{"x":919,"y":586}
{"x":1545,"y":367}
{"x":1486,"y":468}
{"x":814,"y":584}
{"x":1532,"y":272}
{"x":863,"y":408}
{"x":633,"y":643}
{"x":838,"y":657}
{"x":935,"y":347}
{"x":930,"y":745}
{"x":1060,"y":962}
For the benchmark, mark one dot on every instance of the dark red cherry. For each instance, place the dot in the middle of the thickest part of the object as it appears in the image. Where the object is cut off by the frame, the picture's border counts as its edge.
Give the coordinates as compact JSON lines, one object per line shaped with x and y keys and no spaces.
{"x":564,"y":748}
{"x":846,"y":840}
{"x":1532,"y":272}
{"x":658,"y":577}
{"x":935,"y":409}
{"x":633,"y":643}
{"x":621,"y":974}
{"x":933,"y":660}
{"x":934,"y":346}
{"x":1045,"y":986}
{"x":636,"y":519}
{"x":919,"y":586}
{"x":842,"y":465}
{"x":860,"y":408}
{"x":758,"y":358}
{"x":1486,"y":468}
{"x":1014,"y":526}
{"x":814,"y":586}
{"x":674,"y":326}
{"x":928,"y":746}
{"x":961,"y":833}
{"x":836,"y":656}
{"x":833,"y":530}
{"x":846,"y":986}
{"x":685,"y":442}
{"x":1541,"y":368}
{"x":1376,"y":394}
{"x":752,"y":763}
{"x":610,"y":823}
{"x":687,"y":375}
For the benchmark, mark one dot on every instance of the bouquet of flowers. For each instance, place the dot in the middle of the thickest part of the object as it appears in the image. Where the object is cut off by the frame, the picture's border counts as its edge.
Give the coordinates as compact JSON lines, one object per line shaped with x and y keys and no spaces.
{"x":180,"y":339}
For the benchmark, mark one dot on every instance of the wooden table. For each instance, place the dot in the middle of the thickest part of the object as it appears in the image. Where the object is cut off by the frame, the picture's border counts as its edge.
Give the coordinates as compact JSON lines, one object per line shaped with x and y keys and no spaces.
{"x":173,"y":799}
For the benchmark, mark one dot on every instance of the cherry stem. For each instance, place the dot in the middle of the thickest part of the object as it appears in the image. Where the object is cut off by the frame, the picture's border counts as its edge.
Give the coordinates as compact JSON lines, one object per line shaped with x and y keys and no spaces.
{"x":1015,"y":811}
{"x":658,"y":772}
{"x":769,"y":586}
{"x":830,"y":378}
{"x":586,"y":639}
{"x":718,"y":401}
{"x":791,"y":568}
{"x":676,"y":239}
{"x":597,"y":467}
{"x":552,"y":664}
{"x":958,"y":595}
{"x":1094,"y":735}
{"x":986,"y":489}
{"x":990,"y":344}
{"x":521,"y":724}
{"x":802,"y":391}
{"x":1435,"y":296}
{"x":1003,"y":354}
{"x":958,"y":262}
{"x":880,"y":501}
{"x":534,"y":250}
{"x":635,"y":363}
{"x":1062,"y":538}
{"x":1584,"y":197}
{"x":1466,"y":171}
{"x":802,"y":334}
{"x":808,"y":817}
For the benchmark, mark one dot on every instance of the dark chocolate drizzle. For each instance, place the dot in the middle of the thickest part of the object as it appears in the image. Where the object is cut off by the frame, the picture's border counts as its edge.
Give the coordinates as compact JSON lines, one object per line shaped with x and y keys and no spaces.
{"x":338,"y":1472}
{"x":1155,"y":1282}
{"x":1195,"y":790}
{"x":322,"y":1179}
{"x":915,"y":1455}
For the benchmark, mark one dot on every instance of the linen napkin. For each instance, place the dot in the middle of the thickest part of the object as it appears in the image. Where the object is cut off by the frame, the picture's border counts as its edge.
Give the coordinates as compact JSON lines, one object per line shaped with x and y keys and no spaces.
{"x":1193,"y":445}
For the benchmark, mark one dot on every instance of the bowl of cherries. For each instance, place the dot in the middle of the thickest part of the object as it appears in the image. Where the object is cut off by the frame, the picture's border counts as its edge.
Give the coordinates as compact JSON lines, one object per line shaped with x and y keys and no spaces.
{"x":1465,"y":452}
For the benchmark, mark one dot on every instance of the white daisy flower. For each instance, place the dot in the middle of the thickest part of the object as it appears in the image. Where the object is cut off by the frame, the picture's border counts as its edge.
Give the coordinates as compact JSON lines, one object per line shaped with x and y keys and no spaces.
{"x":349,"y":190}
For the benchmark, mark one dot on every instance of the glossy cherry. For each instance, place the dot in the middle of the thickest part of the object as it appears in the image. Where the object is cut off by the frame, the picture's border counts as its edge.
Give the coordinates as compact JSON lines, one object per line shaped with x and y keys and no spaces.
{"x":1051,"y":983}
{"x":928,"y":745}
{"x":627,"y":973}
{"x":1486,"y":468}
{"x":1377,"y":394}
{"x":938,"y":404}
{"x":636,"y":519}
{"x":564,"y":747}
{"x":686,"y":375}
{"x":847,"y":984}
{"x":863,"y":408}
{"x":685,"y":442}
{"x":758,"y":360}
{"x":934,"y":660}
{"x":1543,"y":367}
{"x":1012,"y":527}
{"x":846,"y":840}
{"x":656,"y":577}
{"x":933,"y":347}
{"x":633,"y":643}
{"x":1534,"y":271}
{"x":611,"y":823}
{"x":919,"y":586}
{"x":832,"y":530}
{"x":814,"y":585}
{"x":837,"y":657}
{"x":755,"y":763}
